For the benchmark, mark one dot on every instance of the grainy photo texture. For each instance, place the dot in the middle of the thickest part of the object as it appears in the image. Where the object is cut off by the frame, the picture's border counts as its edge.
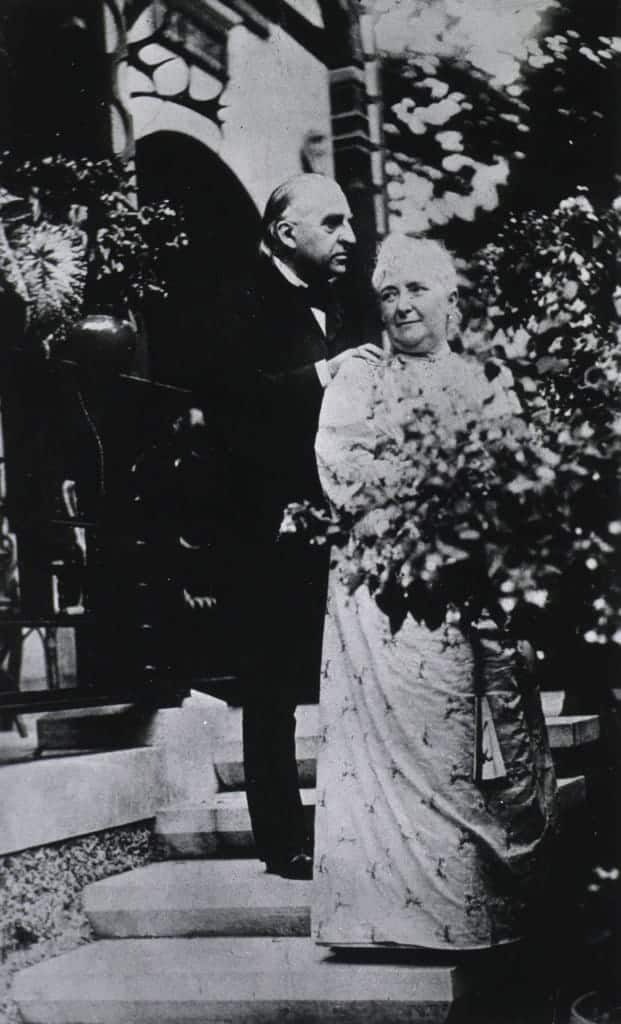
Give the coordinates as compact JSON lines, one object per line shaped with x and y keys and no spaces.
{"x":310,"y":438}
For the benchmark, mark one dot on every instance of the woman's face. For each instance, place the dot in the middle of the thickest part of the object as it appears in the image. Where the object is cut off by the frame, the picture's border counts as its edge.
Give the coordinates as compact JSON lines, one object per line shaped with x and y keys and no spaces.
{"x":415,"y":304}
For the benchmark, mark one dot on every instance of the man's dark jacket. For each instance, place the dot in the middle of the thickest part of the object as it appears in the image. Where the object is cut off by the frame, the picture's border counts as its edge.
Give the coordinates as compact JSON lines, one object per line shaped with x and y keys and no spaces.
{"x":265,"y":396}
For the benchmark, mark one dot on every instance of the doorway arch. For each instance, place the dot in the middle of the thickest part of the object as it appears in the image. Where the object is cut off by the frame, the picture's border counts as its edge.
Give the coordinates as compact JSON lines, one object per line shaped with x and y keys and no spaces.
{"x":223,"y":228}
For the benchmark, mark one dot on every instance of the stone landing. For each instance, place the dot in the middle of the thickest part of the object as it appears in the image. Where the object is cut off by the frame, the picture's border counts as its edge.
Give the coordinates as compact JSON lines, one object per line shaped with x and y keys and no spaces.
{"x":230,"y":981}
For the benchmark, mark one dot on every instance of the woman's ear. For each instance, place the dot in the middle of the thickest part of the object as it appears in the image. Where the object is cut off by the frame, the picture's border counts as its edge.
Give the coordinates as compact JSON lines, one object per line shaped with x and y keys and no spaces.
{"x":285,"y":234}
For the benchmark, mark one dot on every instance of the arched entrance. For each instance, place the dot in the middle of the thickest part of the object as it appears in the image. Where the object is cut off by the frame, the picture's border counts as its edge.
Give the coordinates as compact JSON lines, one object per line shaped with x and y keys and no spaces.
{"x":223,"y":227}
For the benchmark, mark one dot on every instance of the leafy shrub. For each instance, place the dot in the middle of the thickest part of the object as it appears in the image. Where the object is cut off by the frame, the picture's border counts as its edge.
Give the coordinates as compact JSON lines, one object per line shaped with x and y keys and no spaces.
{"x":516,"y":515}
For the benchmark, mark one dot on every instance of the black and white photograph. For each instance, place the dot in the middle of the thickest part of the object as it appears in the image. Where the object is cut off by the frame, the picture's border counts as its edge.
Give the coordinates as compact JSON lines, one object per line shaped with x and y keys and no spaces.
{"x":310,"y":512}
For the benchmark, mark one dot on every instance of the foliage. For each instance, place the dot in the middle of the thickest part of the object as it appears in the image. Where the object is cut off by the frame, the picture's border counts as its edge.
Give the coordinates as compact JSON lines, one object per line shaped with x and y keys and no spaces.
{"x":569,"y":80}
{"x":449,"y":133}
{"x":74,"y":234}
{"x":480,"y":515}
{"x":518,"y":513}
{"x":543,"y":298}
{"x":51,"y":261}
{"x":544,"y":304}
{"x":463,"y":124}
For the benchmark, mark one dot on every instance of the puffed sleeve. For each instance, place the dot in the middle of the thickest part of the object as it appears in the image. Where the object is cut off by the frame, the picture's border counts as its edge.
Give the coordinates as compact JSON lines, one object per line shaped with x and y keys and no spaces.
{"x":347,"y":434}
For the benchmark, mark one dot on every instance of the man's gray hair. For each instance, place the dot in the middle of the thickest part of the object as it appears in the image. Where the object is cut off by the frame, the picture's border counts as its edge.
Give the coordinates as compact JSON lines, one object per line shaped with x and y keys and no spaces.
{"x":396,"y":250}
{"x":282,"y":198}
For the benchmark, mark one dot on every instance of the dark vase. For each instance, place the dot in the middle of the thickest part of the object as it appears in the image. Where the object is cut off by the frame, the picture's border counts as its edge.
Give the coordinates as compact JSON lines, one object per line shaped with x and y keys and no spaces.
{"x":101,"y":341}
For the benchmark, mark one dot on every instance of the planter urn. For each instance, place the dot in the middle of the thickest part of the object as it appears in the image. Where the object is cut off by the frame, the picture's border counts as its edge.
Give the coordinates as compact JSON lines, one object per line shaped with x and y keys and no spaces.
{"x":101,"y":341}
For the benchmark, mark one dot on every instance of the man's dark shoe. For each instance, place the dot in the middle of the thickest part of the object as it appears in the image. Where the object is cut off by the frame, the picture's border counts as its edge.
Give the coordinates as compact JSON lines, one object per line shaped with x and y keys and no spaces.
{"x":300,"y":866}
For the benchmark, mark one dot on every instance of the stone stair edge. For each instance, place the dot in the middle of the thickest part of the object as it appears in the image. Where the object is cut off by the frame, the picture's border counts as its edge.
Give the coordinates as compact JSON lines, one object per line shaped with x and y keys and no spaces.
{"x":170,"y":976}
{"x":225,"y":830}
{"x":235,"y":800}
{"x":228,"y":742}
{"x":49,"y":800}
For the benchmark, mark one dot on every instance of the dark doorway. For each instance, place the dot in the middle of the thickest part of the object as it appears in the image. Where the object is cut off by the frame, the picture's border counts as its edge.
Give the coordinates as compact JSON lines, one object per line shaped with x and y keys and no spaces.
{"x":223,"y":228}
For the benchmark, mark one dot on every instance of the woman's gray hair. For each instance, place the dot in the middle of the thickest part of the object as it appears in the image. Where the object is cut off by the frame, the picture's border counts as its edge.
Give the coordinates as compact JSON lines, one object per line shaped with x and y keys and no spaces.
{"x":396,"y":250}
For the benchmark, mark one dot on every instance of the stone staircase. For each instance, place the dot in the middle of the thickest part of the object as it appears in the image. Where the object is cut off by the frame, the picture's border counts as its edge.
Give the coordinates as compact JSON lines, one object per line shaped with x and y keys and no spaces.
{"x":207,"y":936}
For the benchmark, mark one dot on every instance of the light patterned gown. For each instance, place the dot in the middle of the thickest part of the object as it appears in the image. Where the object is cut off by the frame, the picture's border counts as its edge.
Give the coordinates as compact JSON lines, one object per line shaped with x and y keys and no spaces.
{"x":408,"y":849}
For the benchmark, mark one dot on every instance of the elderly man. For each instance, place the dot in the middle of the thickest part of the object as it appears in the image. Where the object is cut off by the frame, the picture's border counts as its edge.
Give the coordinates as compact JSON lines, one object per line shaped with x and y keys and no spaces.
{"x":282,"y":337}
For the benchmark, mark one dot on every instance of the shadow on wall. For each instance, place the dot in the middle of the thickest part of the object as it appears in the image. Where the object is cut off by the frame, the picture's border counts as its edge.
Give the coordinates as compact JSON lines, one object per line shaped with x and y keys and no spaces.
{"x":223,"y":228}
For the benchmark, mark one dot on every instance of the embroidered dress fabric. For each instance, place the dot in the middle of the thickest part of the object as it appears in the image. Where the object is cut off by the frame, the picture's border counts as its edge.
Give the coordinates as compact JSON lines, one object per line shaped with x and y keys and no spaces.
{"x":409,"y":850}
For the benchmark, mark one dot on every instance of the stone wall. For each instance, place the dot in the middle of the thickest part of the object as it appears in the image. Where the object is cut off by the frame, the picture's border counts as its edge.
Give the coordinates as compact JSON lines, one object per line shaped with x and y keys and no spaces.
{"x":277,"y":92}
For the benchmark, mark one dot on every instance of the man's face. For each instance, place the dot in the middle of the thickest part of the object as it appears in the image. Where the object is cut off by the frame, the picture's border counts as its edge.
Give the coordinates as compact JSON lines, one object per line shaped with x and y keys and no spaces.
{"x":415,"y":303}
{"x":321,"y":232}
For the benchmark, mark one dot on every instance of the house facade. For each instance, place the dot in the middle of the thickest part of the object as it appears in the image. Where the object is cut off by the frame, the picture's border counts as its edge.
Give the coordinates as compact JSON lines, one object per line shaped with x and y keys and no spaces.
{"x":213,"y":103}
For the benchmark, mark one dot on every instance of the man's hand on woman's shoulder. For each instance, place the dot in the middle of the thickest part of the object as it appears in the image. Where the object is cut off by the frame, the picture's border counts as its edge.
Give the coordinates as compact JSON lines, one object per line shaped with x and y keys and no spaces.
{"x":370,"y":352}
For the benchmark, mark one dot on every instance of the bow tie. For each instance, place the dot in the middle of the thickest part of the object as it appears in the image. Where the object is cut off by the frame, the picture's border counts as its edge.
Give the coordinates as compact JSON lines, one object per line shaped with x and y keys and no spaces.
{"x":319,"y":296}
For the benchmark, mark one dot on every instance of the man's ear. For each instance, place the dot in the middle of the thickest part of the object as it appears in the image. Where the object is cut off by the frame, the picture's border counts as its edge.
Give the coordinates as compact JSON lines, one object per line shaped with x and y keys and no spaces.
{"x":285,"y":234}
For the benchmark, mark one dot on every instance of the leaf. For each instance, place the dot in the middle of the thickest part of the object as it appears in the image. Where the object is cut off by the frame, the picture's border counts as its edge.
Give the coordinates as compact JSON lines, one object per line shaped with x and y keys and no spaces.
{"x":549,"y":364}
{"x":52,"y":261}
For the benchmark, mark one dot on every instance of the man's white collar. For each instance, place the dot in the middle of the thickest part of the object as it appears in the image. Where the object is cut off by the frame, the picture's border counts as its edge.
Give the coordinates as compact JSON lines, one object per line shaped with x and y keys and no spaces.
{"x":286,"y":271}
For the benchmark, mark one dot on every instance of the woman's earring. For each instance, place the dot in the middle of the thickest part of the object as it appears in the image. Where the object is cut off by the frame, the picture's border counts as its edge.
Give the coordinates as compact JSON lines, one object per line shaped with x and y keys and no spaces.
{"x":453,"y":323}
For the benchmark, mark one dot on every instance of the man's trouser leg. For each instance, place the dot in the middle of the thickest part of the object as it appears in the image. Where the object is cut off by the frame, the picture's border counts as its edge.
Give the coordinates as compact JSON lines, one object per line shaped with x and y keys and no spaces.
{"x":282,"y":638}
{"x":272,"y":786}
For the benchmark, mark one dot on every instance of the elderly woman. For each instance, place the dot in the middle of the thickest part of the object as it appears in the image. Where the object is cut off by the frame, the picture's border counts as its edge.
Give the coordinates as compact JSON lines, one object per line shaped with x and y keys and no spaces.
{"x":412,"y":849}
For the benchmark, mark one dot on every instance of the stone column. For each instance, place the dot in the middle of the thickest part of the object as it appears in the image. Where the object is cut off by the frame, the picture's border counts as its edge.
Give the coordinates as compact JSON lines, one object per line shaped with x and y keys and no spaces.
{"x":356,"y":122}
{"x":355,"y":129}
{"x":114,"y":44}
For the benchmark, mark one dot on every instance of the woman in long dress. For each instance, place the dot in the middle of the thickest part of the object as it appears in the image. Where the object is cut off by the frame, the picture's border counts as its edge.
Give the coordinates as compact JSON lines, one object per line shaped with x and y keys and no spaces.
{"x":409,"y":848}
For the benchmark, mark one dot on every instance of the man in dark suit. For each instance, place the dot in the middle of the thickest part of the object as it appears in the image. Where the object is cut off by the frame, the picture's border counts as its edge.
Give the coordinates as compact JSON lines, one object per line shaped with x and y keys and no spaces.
{"x":283,"y":335}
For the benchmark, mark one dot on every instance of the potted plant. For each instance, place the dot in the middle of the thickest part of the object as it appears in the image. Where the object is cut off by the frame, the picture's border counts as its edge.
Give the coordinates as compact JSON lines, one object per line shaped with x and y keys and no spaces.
{"x":75,"y":243}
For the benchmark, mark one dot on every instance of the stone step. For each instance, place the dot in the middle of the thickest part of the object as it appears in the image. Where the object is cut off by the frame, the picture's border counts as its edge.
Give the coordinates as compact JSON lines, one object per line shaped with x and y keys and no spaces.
{"x":229,"y":722}
{"x":552,"y":702}
{"x":245,"y":980}
{"x":110,"y":727}
{"x":208,"y":830}
{"x":566,"y":732}
{"x":224,"y":828}
{"x":51,"y":799}
{"x":571,"y":793}
{"x":307,"y":722}
{"x":230,"y":765}
{"x":207,"y":897}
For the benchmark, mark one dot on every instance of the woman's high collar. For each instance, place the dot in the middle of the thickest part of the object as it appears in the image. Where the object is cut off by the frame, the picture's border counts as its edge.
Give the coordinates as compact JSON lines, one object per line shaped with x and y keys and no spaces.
{"x":428,"y":358}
